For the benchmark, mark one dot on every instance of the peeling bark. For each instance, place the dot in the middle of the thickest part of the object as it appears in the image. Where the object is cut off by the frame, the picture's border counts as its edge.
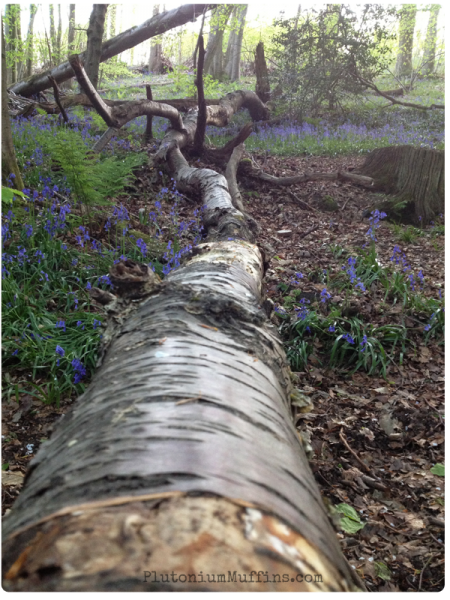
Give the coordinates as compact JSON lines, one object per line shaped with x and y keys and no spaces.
{"x":181,"y":456}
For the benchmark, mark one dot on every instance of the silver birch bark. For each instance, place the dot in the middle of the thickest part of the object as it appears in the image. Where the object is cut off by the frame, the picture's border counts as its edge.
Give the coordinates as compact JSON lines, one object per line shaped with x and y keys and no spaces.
{"x":181,"y":457}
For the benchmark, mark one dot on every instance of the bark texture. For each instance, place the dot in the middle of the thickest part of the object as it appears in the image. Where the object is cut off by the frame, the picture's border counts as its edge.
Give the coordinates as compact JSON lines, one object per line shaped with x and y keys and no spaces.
{"x":94,"y":42}
{"x":182,"y":453}
{"x":415,"y":177}
{"x":262,"y":74}
{"x":124,"y":41}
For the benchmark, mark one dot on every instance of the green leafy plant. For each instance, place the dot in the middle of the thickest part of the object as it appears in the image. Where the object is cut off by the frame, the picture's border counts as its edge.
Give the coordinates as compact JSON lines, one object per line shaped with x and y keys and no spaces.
{"x":350,"y":522}
{"x":438,"y":469}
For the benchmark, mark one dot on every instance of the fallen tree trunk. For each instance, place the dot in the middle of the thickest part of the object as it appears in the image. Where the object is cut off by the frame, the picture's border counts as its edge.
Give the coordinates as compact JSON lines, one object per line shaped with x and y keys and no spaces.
{"x":180,"y":467}
{"x":128,"y":39}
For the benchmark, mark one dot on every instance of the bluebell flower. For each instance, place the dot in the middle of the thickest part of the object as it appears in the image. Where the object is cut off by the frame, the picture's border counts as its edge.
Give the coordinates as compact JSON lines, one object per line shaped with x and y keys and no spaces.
{"x":61,"y":325}
{"x":332,"y":328}
{"x":348,"y":338}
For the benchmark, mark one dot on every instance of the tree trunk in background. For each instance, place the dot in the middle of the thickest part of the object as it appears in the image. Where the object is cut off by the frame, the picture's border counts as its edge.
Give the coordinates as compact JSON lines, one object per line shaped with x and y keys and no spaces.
{"x":403,"y":67}
{"x":71,"y":35}
{"x":429,"y":52}
{"x":7,"y":33}
{"x":129,"y":38}
{"x":262,"y":76}
{"x":416,"y":178}
{"x":112,"y":24}
{"x":214,"y":48}
{"x":94,"y":42}
{"x":30,"y":40}
{"x":59,"y":36}
{"x":233,"y":55}
{"x":299,"y":10}
{"x":155,"y":59}
{"x":9,"y":161}
{"x":13,"y":40}
{"x":53,"y":60}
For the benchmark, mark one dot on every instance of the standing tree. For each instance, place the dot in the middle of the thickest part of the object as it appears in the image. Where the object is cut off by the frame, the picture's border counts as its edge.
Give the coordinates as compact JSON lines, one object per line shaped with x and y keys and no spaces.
{"x":13,"y":42}
{"x":122,"y":42}
{"x":214,"y":49}
{"x":52,"y":43}
{"x":234,"y":48}
{"x":112,"y":25}
{"x":403,"y":66}
{"x":59,"y":36}
{"x":94,"y":42}
{"x":9,"y":161}
{"x":30,"y":41}
{"x":71,"y":34}
{"x":155,"y":60}
{"x":429,"y":53}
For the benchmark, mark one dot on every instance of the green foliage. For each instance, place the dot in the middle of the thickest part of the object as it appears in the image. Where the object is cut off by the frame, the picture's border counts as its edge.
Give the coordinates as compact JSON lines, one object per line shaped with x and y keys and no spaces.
{"x":438,"y":469}
{"x":92,"y":179}
{"x":350,"y":522}
{"x":319,"y":56}
{"x":112,"y":69}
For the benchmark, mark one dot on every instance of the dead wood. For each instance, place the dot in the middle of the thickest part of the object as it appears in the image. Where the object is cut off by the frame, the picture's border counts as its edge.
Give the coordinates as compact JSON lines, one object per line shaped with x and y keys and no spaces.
{"x":414,"y":176}
{"x":307,"y":176}
{"x":262,"y":74}
{"x":124,"y":41}
{"x":148,"y":130}
{"x":372,"y":86}
{"x":199,"y":138}
{"x":230,"y":175}
{"x":181,"y":457}
{"x":56,"y":93}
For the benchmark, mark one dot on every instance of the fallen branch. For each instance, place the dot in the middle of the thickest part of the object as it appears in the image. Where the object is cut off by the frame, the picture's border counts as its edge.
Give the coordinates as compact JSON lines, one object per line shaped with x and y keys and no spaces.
{"x":58,"y":99}
{"x":307,"y":176}
{"x":230,"y":175}
{"x":306,"y":206}
{"x":393,"y":100}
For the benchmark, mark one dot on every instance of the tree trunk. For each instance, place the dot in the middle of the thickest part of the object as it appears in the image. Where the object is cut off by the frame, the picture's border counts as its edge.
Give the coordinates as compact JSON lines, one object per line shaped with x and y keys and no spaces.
{"x":430,"y":41}
{"x":71,"y":34}
{"x":13,"y":40}
{"x":214,"y":48}
{"x":123,"y":41}
{"x":52,"y":51}
{"x":262,"y":76}
{"x":415,"y":176}
{"x":30,"y":40}
{"x":155,"y":64}
{"x":59,"y":36}
{"x":180,"y":468}
{"x":9,"y":161}
{"x":403,"y":67}
{"x":94,"y":42}
{"x":233,"y":55}
{"x":299,"y":10}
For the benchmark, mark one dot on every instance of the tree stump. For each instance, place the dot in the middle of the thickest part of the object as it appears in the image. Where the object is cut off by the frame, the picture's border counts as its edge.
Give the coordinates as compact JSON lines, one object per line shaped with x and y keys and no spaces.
{"x":415,"y":177}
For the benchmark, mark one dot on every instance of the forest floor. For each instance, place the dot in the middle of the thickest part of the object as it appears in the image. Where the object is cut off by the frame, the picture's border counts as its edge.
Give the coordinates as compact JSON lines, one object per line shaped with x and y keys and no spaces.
{"x":374,"y":440}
